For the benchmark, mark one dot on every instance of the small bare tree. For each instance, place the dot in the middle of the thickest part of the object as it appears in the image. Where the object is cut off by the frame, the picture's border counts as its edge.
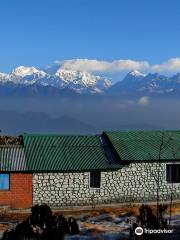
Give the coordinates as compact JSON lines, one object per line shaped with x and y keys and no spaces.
{"x":168,"y":143}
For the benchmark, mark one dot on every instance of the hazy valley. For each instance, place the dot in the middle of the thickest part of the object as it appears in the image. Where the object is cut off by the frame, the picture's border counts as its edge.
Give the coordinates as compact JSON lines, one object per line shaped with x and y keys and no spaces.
{"x":79,"y":102}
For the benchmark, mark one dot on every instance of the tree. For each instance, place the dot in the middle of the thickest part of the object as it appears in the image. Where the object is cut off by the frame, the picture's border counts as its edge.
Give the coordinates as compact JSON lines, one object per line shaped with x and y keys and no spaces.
{"x":168,"y":145}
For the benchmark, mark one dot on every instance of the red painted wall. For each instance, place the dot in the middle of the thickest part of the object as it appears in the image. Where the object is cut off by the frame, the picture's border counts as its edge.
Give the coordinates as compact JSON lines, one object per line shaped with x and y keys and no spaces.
{"x":20,"y":193}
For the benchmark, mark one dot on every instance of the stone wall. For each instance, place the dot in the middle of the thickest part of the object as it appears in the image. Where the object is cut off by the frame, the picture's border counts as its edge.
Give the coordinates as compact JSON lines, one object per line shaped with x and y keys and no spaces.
{"x":136,"y":182}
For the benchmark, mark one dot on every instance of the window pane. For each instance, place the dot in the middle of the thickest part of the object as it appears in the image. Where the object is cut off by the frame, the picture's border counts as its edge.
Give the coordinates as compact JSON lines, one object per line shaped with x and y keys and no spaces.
{"x":95,"y":179}
{"x":173,"y":173}
{"x":178,"y":173}
{"x":168,"y":173}
{"x":4,"y":181}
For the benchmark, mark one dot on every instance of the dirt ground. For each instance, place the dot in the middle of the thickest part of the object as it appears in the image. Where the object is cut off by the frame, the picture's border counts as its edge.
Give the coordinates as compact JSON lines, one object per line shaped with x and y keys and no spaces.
{"x":7,"y":214}
{"x":101,"y":221}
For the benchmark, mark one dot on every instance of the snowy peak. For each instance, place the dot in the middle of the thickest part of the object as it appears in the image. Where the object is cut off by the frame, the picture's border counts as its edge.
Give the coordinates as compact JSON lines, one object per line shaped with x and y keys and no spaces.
{"x":4,"y":75}
{"x":136,"y":73}
{"x":138,"y":84}
{"x":4,"y":78}
{"x":79,"y":81}
{"x":77,"y":77}
{"x":23,"y":71}
{"x":82,"y":81}
{"x":27,"y":75}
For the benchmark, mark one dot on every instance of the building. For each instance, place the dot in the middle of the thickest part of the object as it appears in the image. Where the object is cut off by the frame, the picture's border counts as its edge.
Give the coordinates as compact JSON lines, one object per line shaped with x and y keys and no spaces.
{"x":72,"y":170}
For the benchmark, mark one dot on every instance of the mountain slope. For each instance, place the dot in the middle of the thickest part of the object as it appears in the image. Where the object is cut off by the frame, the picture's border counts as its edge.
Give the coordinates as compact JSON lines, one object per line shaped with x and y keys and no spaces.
{"x":41,"y":123}
{"x":137,"y":84}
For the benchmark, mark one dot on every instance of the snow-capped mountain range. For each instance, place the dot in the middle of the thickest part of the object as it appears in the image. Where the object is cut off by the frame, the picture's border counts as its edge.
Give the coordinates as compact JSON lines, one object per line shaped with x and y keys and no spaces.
{"x":81,"y":82}
{"x":134,"y":83}
{"x":137,"y":84}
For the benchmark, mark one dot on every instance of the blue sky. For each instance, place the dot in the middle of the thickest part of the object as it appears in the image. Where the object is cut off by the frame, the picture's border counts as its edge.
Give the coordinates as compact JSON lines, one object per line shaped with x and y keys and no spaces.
{"x":38,"y":32}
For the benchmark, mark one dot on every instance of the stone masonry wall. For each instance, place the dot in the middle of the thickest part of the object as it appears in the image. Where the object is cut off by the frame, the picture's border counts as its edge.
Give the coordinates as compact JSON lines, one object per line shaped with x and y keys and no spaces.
{"x":136,"y":182}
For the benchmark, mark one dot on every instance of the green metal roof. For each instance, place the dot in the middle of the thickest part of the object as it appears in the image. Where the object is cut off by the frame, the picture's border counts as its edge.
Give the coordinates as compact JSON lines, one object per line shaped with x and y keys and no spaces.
{"x":12,"y":158}
{"x":71,"y":153}
{"x":64,"y":153}
{"x":146,"y":145}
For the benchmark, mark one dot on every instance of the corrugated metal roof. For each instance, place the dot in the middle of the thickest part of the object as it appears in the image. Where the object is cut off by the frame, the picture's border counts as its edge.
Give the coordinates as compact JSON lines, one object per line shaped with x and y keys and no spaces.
{"x":146,"y":145}
{"x":70,"y":153}
{"x":64,"y":153}
{"x":12,"y":158}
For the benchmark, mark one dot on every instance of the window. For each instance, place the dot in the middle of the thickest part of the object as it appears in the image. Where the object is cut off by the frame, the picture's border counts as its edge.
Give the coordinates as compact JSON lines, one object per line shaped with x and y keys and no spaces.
{"x":95,"y":179}
{"x":4,"y":181}
{"x":173,"y":173}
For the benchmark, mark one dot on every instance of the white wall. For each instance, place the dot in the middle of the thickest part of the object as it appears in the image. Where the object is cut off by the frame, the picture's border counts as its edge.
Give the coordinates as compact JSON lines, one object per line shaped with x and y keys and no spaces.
{"x":133,"y":183}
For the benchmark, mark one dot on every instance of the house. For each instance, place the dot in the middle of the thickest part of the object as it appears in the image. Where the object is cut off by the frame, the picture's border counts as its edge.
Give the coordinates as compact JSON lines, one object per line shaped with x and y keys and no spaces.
{"x":76,"y":170}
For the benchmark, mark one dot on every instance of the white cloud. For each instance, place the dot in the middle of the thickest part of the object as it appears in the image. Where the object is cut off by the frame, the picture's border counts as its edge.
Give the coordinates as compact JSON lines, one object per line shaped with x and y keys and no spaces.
{"x":172,"y":65}
{"x":103,"y":66}
{"x":143,"y":100}
{"x":120,"y":66}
